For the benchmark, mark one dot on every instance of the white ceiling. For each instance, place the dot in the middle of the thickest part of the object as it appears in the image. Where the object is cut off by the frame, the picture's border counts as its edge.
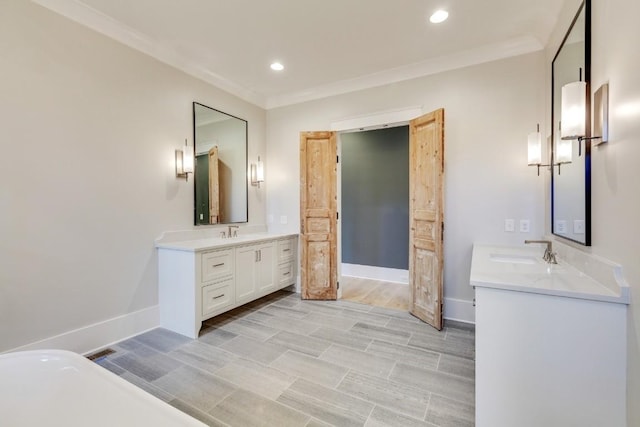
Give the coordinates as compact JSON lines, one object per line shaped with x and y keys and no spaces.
{"x":327,"y":46}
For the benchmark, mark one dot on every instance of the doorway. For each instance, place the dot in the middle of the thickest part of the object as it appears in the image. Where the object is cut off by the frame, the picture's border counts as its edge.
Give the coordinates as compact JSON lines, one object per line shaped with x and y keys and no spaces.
{"x":319,"y":219}
{"x":373,"y":203}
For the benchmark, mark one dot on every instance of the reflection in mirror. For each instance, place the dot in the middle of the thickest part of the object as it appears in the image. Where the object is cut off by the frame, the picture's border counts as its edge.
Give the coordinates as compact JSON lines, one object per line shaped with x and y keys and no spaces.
{"x":570,"y":180}
{"x":220,"y":166}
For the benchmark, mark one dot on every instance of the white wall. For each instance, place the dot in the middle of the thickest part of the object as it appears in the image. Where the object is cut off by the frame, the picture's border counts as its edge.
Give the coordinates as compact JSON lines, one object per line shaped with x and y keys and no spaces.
{"x":489,"y":110}
{"x":88,"y":131}
{"x":615,"y":170}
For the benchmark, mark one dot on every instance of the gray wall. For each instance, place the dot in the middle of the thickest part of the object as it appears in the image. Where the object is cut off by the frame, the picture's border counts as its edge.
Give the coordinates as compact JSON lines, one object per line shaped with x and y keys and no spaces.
{"x":375,"y":198}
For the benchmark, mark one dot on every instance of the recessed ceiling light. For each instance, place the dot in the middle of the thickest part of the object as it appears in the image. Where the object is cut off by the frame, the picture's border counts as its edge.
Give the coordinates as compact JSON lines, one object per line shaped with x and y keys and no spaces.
{"x":439,"y":16}
{"x":276,"y":66}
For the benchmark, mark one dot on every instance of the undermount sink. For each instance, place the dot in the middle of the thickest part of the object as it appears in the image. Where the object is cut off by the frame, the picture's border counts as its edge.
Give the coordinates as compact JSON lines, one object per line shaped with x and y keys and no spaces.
{"x":513,"y":258}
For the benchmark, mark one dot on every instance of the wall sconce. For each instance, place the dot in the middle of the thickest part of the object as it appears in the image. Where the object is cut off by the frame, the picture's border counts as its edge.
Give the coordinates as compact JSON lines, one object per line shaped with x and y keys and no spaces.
{"x":184,"y":161}
{"x":534,"y":145}
{"x":563,"y":152}
{"x":574,"y":113}
{"x":257,"y":173}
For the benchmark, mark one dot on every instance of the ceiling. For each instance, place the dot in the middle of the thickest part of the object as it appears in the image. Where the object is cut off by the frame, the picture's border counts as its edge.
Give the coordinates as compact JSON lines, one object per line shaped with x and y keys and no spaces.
{"x":327,"y":46}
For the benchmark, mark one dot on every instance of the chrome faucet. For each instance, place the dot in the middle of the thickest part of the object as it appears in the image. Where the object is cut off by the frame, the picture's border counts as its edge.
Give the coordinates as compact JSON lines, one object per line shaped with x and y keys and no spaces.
{"x":549,"y":256}
{"x":235,"y":232}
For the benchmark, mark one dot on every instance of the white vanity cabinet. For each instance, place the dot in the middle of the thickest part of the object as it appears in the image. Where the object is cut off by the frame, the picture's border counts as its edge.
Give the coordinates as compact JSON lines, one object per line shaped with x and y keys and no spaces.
{"x":550,"y":343}
{"x":200,"y":279}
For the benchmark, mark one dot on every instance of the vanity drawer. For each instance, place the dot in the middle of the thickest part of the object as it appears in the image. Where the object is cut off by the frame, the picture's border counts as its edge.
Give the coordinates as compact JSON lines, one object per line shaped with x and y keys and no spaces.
{"x":216,"y":297}
{"x":286,"y":273}
{"x":285,"y":249}
{"x":216,"y":264}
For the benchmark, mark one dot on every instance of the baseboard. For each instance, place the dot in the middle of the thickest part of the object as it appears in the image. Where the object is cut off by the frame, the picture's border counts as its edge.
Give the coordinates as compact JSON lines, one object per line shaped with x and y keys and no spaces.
{"x":95,"y":337}
{"x":459,"y":310}
{"x":394,"y":275}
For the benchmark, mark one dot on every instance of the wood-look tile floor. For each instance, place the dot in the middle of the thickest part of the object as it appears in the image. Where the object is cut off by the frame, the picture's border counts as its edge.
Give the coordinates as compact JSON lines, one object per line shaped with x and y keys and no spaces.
{"x":280,"y":361}
{"x":375,"y":292}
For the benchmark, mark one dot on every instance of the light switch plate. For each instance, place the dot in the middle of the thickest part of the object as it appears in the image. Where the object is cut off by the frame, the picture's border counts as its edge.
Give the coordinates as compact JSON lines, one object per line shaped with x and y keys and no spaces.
{"x":578,"y":226}
{"x":524,"y":225}
{"x":270,"y":219}
{"x":509,"y":225}
{"x":283,"y":219}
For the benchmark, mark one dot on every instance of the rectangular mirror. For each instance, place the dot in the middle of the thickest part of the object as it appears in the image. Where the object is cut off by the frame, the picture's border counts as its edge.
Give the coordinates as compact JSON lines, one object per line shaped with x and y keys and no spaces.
{"x":571,"y":178}
{"x":220,"y":144}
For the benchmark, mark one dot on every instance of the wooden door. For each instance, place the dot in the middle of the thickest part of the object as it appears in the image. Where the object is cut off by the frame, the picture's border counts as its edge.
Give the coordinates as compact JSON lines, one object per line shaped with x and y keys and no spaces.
{"x":318,"y":265}
{"x":426,"y":219}
{"x":214,"y":187}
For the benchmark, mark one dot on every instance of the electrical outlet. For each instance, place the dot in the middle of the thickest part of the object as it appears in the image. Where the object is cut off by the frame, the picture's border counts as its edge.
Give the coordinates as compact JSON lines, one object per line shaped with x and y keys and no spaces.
{"x":283,"y":219}
{"x":524,"y":225}
{"x":578,"y":226}
{"x":561,"y":226}
{"x":509,"y":225}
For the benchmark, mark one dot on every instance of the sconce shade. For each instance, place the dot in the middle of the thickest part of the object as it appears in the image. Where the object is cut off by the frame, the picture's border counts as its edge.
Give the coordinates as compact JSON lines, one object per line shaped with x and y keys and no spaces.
{"x":535,"y":148}
{"x":564,"y":151}
{"x":573,"y":113}
{"x":184,"y":161}
{"x":257,"y":173}
{"x":187,"y":159}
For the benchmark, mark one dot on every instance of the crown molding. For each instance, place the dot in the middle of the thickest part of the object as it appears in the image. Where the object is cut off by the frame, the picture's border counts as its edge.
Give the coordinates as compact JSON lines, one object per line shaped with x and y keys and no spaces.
{"x":104,"y":24}
{"x":487,"y":53}
{"x":97,"y":21}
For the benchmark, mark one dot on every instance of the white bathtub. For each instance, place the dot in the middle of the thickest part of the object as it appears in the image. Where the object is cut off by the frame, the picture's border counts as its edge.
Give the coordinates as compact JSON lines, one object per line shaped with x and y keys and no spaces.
{"x":61,"y":388}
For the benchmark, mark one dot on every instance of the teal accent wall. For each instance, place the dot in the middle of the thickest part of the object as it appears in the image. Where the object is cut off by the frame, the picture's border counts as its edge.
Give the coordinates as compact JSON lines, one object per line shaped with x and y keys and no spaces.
{"x":202,"y":191}
{"x":375,"y":197}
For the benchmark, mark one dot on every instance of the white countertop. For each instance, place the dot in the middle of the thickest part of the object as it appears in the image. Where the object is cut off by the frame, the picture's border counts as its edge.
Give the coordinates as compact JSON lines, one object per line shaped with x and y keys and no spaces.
{"x":521,"y":268}
{"x":204,"y":244}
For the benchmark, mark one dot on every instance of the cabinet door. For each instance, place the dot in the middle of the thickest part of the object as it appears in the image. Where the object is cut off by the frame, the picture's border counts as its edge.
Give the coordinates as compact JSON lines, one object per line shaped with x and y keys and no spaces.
{"x":246,"y":260}
{"x":265,"y":269}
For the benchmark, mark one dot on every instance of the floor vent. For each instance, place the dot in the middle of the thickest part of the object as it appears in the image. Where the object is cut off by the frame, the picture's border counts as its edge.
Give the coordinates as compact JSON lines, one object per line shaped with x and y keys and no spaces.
{"x":100,"y":354}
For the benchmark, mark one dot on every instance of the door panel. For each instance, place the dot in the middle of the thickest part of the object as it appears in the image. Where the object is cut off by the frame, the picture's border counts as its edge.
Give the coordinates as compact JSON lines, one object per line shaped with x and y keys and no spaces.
{"x":318,"y":271}
{"x":426,"y":216}
{"x":266,"y":269}
{"x":245,"y":273}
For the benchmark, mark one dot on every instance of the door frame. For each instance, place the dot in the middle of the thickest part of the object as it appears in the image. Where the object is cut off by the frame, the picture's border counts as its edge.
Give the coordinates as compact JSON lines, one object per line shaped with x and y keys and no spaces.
{"x":381,"y":120}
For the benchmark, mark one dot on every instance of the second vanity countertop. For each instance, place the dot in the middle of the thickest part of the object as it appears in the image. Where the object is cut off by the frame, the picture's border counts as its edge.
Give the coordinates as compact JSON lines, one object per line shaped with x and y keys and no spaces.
{"x":521,"y":268}
{"x":203,"y":244}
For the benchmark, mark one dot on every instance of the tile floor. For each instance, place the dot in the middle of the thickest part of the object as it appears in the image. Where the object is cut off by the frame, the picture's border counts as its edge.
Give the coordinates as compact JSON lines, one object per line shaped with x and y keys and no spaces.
{"x":280,"y":361}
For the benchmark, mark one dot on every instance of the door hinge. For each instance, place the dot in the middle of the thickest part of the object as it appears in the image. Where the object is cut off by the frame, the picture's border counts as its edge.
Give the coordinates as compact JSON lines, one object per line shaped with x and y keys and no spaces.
{"x":338,"y":285}
{"x":337,"y":215}
{"x":337,"y":159}
{"x":442,"y":233}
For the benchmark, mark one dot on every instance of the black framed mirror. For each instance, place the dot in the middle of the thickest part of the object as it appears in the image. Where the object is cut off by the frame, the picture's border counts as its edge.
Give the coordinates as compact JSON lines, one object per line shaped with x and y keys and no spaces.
{"x":571,"y":159}
{"x":220,"y":169}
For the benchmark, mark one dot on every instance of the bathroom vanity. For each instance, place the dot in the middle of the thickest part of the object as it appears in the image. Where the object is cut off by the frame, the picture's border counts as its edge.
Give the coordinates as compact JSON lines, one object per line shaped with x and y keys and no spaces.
{"x":201,"y":278}
{"x":550,"y":338}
